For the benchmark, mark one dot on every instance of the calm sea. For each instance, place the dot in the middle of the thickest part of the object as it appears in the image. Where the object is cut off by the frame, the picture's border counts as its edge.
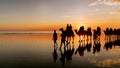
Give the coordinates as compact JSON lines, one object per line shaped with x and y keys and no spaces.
{"x":25,"y":32}
{"x":35,"y":49}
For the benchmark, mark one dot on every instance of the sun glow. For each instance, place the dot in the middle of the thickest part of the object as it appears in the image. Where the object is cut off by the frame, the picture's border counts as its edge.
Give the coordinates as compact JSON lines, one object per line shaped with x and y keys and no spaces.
{"x":79,"y":25}
{"x":81,"y":37}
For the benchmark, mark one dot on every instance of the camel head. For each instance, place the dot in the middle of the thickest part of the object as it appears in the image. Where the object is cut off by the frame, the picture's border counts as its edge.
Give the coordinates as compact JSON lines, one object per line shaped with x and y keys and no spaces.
{"x":76,"y":31}
{"x":61,"y":29}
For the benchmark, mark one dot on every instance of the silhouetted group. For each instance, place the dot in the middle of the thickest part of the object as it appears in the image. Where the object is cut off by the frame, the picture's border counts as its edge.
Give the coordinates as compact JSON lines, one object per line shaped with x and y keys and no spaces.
{"x":112,"y":38}
{"x":82,"y":32}
{"x":109,"y":32}
{"x":97,"y":33}
{"x":67,"y":52}
{"x":66,"y":35}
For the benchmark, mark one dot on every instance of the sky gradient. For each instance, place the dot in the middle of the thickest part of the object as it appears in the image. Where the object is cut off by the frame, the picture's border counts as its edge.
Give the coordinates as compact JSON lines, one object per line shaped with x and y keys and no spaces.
{"x":53,"y":14}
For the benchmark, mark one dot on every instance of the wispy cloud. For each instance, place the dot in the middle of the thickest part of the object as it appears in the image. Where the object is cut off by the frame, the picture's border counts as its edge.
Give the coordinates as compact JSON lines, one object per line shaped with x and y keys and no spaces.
{"x":94,"y":3}
{"x":97,"y":9}
{"x":105,"y":2}
{"x":67,"y":16}
{"x":115,"y":12}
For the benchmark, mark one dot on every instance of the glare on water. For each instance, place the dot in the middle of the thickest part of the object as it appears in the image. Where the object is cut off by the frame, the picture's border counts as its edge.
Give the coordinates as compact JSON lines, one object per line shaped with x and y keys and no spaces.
{"x":36,"y":50}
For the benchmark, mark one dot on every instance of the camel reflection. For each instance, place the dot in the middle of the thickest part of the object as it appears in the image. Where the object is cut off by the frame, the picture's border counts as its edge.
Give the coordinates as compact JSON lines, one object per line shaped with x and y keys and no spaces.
{"x":110,"y":44}
{"x":80,"y":49}
{"x":83,"y":46}
{"x":66,"y":53}
{"x":116,"y":43}
{"x":89,"y":46}
{"x":112,"y":38}
{"x":96,"y":46}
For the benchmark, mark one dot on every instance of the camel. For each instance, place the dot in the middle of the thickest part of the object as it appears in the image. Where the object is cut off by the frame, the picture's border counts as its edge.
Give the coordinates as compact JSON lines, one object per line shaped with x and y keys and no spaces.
{"x":83,"y":32}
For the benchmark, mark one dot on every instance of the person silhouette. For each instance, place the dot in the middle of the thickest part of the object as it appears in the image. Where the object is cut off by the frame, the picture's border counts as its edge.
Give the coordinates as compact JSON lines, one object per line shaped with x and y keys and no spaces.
{"x":67,"y":27}
{"x":71,"y":33}
{"x":55,"y":37}
{"x":67,"y":32}
{"x":63,"y":37}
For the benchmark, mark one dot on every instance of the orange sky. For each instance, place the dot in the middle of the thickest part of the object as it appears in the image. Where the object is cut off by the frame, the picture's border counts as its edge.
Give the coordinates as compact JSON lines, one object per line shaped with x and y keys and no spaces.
{"x":54,"y":14}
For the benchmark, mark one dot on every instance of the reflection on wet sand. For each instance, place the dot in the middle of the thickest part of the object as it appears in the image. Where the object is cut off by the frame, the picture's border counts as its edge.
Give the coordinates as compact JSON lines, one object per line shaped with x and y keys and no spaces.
{"x":38,"y":51}
{"x":85,"y":44}
{"x":109,"y":44}
{"x":105,"y":62}
{"x":68,"y":51}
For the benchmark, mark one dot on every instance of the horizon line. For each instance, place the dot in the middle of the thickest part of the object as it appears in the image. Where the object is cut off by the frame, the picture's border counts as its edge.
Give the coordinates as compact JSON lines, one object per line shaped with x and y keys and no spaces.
{"x":27,"y":32}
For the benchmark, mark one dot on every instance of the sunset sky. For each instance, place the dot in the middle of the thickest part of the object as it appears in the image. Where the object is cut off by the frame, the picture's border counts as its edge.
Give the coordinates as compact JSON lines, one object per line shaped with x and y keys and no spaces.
{"x":53,"y":14}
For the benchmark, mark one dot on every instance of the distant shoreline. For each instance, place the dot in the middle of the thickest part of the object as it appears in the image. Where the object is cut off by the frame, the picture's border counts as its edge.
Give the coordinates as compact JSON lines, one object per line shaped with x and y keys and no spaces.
{"x":27,"y":32}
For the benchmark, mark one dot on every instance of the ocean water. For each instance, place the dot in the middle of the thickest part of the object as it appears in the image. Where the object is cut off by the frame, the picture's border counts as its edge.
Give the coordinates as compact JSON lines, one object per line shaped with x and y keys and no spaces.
{"x":25,"y":32}
{"x":36,"y":50}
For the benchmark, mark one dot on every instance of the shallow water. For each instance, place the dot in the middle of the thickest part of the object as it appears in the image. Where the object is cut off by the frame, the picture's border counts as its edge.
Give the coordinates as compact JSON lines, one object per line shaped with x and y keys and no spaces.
{"x":36,"y":50}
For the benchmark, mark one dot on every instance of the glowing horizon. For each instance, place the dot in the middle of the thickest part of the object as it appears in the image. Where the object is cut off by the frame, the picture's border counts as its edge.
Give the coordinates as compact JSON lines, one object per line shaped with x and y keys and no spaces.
{"x":54,"y":14}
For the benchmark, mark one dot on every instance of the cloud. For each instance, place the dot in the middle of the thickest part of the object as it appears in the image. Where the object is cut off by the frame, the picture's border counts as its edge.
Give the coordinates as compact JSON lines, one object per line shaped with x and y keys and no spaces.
{"x":97,"y":9}
{"x":67,"y":16}
{"x":105,"y":2}
{"x":94,"y":3}
{"x":115,"y":12}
